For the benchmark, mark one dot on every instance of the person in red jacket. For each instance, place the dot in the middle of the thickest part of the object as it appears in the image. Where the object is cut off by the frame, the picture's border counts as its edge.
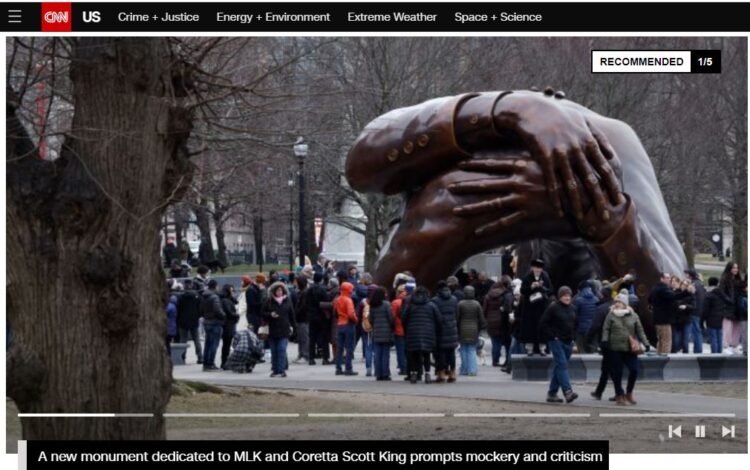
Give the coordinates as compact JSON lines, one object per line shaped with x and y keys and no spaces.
{"x":346,"y":319}
{"x":398,"y":329}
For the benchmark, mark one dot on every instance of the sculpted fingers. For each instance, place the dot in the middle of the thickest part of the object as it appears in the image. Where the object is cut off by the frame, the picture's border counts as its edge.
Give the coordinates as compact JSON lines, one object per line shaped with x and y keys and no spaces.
{"x":571,"y":186}
{"x":505,"y":167}
{"x":492,"y":205}
{"x":604,"y":169}
{"x":502,"y":223}
{"x":483,"y":186}
{"x":548,"y":168}
{"x":591,"y":181}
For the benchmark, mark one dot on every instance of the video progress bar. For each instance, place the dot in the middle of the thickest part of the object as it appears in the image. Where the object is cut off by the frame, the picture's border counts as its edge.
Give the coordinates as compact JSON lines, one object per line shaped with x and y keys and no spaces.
{"x":379,"y":415}
{"x":85,"y":415}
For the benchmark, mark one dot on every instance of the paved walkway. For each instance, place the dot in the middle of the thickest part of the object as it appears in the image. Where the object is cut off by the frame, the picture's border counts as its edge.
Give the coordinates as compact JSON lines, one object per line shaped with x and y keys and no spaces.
{"x":490,"y":384}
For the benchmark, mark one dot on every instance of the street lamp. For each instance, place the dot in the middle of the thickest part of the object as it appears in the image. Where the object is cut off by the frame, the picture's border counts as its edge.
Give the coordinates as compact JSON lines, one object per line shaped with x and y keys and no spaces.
{"x":290,"y":183}
{"x":300,"y":151}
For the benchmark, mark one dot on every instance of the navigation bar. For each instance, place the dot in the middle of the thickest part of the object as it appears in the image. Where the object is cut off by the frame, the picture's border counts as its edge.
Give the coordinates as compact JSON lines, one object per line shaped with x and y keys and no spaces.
{"x":375,"y":17}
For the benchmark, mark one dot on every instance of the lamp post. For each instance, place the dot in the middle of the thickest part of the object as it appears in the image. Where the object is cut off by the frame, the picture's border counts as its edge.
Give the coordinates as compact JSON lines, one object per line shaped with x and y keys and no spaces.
{"x":290,"y":183}
{"x":300,"y":151}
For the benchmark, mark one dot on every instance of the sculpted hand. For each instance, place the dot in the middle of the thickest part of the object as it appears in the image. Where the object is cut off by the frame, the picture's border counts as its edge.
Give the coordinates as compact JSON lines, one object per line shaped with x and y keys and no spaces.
{"x":564,"y":143}
{"x":520,"y":198}
{"x":521,"y":202}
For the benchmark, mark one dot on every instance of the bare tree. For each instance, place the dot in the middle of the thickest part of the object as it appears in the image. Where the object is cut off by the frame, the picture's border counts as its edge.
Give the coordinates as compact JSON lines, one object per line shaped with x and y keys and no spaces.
{"x":87,"y":295}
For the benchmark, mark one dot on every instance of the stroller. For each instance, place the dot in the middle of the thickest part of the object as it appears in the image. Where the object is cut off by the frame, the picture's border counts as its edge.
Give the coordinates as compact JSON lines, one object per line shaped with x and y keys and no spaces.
{"x":247,"y":350}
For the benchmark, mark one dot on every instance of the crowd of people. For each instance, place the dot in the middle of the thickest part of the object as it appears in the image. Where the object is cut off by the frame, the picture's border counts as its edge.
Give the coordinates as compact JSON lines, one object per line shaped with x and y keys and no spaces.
{"x":328,"y":312}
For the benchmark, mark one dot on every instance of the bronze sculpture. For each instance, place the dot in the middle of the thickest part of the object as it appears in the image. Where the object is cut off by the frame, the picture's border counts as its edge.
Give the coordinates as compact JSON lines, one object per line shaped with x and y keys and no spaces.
{"x":483,"y":170}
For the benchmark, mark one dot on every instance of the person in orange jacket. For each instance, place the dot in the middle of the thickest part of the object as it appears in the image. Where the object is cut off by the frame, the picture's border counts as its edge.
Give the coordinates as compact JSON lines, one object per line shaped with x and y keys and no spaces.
{"x":346,"y":320}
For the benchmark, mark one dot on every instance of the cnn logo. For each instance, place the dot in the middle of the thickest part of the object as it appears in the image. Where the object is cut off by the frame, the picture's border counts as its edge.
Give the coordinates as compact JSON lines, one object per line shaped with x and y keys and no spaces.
{"x":56,"y":17}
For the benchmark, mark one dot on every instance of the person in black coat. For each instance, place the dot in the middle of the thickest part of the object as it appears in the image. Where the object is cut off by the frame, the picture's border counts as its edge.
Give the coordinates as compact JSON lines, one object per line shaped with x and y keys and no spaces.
{"x":558,"y":326}
{"x":717,"y":306}
{"x":229,"y":305}
{"x":278,"y":312}
{"x":254,"y":296}
{"x":731,"y":284}
{"x":536,"y":287}
{"x":170,"y":253}
{"x":662,"y":300}
{"x":696,"y":330}
{"x":482,"y":286}
{"x":684,"y":308}
{"x":421,"y":320}
{"x":448,"y":341}
{"x":302,"y":317}
{"x":201,"y":279}
{"x":320,"y":321}
{"x":594,"y":336}
{"x":213,"y":323}
{"x":381,"y":319}
{"x":498,"y":305}
{"x":188,"y":317}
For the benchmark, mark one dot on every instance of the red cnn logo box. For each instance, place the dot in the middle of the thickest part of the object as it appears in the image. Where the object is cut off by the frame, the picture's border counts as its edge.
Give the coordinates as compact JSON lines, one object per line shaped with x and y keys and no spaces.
{"x":56,"y":17}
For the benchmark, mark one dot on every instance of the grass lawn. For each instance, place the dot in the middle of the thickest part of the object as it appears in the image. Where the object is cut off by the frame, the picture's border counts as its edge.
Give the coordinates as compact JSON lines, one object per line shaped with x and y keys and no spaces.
{"x":254,"y":268}
{"x":708,"y":259}
{"x":251,"y":269}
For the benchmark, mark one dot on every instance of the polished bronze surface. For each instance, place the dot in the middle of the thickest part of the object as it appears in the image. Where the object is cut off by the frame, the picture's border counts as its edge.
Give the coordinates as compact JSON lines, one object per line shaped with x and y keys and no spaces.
{"x":560,"y":181}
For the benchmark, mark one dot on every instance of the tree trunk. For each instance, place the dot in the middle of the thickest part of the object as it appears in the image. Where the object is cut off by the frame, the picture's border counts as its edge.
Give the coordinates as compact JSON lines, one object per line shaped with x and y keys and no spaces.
{"x":739,"y":234}
{"x":690,"y":240}
{"x":202,"y":220}
{"x":83,"y":268}
{"x":371,"y":238}
{"x":258,"y":238}
{"x":221,"y":245}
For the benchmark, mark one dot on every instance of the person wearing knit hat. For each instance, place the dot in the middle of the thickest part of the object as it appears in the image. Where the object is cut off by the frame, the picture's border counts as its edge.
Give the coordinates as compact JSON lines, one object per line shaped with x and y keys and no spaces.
{"x":401,"y":278}
{"x":620,"y":327}
{"x":557,"y":327}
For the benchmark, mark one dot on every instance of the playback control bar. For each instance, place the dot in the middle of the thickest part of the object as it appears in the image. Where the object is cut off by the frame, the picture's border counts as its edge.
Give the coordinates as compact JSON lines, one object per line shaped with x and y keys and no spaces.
{"x":117,"y":17}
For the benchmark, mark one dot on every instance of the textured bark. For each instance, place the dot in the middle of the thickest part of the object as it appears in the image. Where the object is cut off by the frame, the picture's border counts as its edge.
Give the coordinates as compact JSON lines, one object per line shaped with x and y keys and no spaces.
{"x":221,"y":244}
{"x":83,"y":247}
{"x":690,"y":240}
{"x":372,"y":247}
{"x":739,"y":232}
{"x":258,"y":237}
{"x":202,"y":220}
